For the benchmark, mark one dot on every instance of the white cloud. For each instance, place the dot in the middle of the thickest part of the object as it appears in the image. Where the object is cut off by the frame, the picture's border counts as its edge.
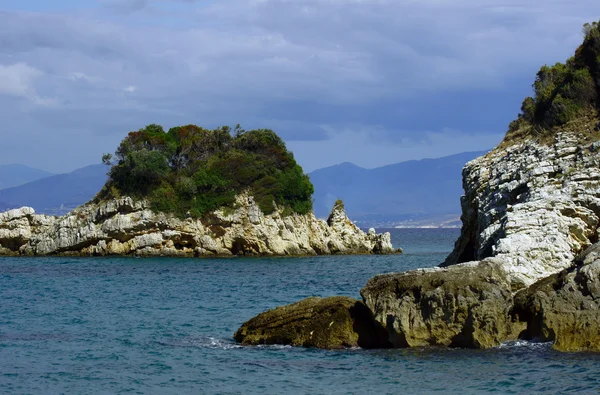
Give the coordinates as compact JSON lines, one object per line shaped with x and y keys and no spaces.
{"x":130,"y":89}
{"x":18,"y":79}
{"x":79,"y":76}
{"x":332,"y":51}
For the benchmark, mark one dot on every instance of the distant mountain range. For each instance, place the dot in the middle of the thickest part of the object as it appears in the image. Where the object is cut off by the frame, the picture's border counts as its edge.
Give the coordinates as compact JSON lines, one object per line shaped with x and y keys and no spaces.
{"x":15,"y":175}
{"x":415,"y":193}
{"x":56,"y":194}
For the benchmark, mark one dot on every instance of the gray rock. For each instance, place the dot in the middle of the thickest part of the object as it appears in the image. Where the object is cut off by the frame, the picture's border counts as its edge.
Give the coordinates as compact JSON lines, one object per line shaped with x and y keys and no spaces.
{"x":534,"y":206}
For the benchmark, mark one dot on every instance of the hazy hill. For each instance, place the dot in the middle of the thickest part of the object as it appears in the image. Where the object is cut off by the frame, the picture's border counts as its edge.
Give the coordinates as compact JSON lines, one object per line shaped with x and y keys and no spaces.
{"x":56,"y":194}
{"x":423,"y":191}
{"x":419,"y":192}
{"x":15,"y":175}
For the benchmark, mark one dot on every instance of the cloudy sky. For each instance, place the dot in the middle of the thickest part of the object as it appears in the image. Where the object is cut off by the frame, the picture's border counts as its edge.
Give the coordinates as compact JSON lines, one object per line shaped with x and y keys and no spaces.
{"x":371,"y":82}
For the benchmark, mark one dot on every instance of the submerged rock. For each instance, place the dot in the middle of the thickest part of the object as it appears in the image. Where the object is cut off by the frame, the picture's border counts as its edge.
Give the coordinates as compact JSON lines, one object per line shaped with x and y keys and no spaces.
{"x":127,"y":227}
{"x":330,"y":323}
{"x":466,"y":305}
{"x":565,"y":307}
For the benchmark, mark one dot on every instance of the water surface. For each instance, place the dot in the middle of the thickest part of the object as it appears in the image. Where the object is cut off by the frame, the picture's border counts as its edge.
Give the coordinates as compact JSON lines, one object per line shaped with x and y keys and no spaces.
{"x":126,"y":325}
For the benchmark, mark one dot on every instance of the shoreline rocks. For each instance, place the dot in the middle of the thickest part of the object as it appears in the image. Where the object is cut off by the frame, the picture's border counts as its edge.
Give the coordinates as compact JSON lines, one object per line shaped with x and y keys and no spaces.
{"x":517,"y":270}
{"x":532,"y":205}
{"x":467,"y":306}
{"x":565,"y":307}
{"x":328,"y":323}
{"x":127,"y":227}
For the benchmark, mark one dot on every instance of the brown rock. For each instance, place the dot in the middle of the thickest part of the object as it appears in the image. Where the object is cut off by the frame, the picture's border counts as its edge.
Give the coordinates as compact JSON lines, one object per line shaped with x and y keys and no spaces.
{"x":329,"y":323}
{"x":565,"y":307}
{"x":466,"y":305}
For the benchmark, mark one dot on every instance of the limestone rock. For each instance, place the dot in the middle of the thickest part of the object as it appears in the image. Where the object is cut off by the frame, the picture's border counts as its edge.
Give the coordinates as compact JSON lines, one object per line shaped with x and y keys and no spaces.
{"x":335,"y":322}
{"x":127,"y":227}
{"x":532,"y":205}
{"x":466,"y":305}
{"x":565,"y":307}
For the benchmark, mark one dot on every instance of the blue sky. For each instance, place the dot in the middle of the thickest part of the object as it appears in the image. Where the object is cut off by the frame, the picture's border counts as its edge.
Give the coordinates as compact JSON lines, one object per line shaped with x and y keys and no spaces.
{"x":371,"y":82}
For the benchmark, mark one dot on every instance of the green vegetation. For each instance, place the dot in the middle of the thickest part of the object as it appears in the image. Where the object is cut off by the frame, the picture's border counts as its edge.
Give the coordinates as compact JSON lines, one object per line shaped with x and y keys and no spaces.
{"x":563,"y":92}
{"x":194,"y":170}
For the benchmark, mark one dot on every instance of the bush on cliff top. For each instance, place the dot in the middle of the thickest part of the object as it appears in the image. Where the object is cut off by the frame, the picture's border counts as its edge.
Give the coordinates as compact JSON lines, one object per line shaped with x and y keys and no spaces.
{"x":196,"y":170}
{"x":563,"y":92}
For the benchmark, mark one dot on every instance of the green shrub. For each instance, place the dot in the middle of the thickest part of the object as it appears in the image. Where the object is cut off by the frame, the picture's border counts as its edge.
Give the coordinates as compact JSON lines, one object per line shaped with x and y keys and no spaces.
{"x":164,"y":199}
{"x":191,"y":170}
{"x":561,"y":111}
{"x":139,"y":171}
{"x":562,"y":92}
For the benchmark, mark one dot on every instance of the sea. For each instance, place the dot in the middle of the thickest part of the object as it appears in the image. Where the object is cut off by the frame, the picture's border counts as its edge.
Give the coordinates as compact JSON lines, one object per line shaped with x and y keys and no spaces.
{"x":165,"y":326}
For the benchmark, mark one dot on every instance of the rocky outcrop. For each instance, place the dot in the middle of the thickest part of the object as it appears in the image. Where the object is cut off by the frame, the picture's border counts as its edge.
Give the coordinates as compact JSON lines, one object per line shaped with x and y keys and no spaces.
{"x":530,"y":209}
{"x":466,"y":305}
{"x":565,"y":307}
{"x":534,"y":206}
{"x":127,"y":227}
{"x":335,"y":322}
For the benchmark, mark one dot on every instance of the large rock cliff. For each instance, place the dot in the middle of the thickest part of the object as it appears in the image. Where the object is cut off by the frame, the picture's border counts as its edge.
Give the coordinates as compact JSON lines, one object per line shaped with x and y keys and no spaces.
{"x":532,"y":205}
{"x":126,"y":227}
{"x":530,"y":208}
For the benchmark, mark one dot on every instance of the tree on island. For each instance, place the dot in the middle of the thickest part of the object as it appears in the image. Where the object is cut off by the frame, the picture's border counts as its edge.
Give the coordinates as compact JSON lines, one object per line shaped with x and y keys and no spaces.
{"x":193,"y":171}
{"x":563,"y":92}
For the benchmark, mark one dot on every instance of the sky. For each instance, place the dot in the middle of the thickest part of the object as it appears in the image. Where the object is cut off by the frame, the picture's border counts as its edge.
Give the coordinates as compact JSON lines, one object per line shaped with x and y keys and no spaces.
{"x":372,"y":82}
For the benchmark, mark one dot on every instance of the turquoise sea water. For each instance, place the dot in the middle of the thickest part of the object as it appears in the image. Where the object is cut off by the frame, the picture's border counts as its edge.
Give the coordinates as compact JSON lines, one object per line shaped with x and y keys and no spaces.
{"x":165,"y":326}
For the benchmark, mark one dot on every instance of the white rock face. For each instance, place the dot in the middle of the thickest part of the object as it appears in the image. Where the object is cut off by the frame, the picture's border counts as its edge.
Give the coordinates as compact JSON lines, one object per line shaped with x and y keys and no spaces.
{"x":531,"y":205}
{"x":127,"y":227}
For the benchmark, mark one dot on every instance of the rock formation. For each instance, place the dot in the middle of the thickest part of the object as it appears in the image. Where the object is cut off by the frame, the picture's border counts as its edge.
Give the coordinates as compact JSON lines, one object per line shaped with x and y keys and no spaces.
{"x":335,"y":322}
{"x":531,"y":206}
{"x":126,"y":227}
{"x":535,"y":206}
{"x":467,"y":305}
{"x":565,"y":307}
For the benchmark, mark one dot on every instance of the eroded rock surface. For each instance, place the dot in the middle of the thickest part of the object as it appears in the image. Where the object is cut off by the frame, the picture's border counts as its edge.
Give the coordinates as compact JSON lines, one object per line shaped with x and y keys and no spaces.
{"x":532,"y":205}
{"x":330,"y":323}
{"x":466,"y":305}
{"x":565,"y":307}
{"x":127,"y":227}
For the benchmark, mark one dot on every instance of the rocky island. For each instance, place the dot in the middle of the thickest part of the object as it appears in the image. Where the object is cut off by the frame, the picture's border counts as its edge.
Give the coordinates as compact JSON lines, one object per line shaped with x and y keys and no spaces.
{"x":527,"y":263}
{"x":194,"y":192}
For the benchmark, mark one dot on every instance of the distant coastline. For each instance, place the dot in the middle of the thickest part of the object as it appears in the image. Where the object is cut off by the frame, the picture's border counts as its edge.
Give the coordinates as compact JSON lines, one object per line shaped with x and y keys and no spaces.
{"x":443,"y":221}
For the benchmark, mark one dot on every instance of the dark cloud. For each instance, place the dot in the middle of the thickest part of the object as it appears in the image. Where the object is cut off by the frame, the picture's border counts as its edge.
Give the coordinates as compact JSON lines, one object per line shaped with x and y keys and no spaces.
{"x":393,"y":71}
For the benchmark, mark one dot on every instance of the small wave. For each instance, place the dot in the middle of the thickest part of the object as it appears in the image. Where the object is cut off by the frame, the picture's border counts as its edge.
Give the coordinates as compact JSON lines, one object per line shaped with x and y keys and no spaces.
{"x":203,"y":342}
{"x":525,"y":343}
{"x":224,"y":344}
{"x":274,"y":346}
